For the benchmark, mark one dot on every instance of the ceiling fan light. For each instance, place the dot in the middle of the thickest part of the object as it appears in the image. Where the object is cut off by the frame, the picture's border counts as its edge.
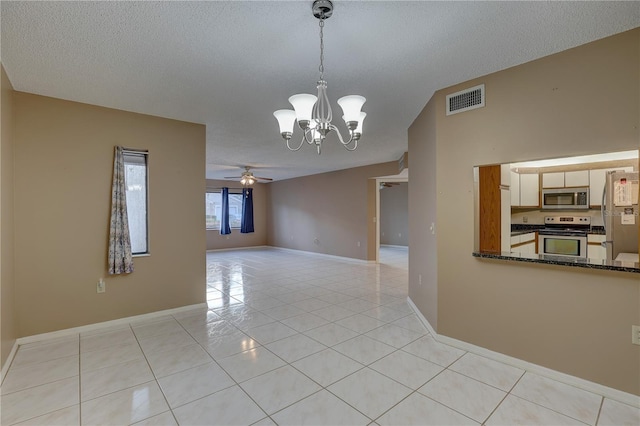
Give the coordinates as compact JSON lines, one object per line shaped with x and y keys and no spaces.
{"x":286,"y":118}
{"x":351,"y":106}
{"x":303,"y":104}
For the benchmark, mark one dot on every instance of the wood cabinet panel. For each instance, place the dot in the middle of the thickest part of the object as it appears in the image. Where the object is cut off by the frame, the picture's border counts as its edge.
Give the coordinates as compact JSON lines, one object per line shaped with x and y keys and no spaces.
{"x":490,"y":206}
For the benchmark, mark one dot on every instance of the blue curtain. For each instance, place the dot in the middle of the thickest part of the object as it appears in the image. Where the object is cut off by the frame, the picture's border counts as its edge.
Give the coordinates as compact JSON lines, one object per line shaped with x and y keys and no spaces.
{"x":247,"y":211}
{"x":224,"y":221}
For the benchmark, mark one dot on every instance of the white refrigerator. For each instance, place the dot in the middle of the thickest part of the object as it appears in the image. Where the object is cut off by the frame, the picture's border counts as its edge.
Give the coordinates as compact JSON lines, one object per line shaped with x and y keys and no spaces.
{"x":620,"y":215}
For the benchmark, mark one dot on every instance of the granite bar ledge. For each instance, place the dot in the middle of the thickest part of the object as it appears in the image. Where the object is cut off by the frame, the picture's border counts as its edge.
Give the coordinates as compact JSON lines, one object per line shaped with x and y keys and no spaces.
{"x":563,"y":261}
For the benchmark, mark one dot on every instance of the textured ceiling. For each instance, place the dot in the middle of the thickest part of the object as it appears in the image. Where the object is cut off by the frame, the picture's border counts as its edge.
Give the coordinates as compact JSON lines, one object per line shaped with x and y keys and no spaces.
{"x":229,"y":65}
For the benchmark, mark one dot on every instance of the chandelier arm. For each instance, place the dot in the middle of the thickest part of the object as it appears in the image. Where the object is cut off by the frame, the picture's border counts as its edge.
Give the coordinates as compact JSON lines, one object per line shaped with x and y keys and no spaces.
{"x":340,"y":138}
{"x":355,"y":145}
{"x":299,"y":146}
{"x":305,"y":138}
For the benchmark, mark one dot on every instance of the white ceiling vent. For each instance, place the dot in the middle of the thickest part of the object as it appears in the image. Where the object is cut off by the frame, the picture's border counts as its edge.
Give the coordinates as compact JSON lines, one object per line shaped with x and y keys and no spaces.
{"x":465,"y":100}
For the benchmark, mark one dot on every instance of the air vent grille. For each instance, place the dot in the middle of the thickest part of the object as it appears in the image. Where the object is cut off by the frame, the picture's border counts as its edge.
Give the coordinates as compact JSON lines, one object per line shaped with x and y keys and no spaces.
{"x":465,"y":100}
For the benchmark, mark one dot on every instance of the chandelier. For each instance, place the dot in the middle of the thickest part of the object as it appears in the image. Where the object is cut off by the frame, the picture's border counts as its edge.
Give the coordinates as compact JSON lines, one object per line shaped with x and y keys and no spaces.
{"x":313,"y":113}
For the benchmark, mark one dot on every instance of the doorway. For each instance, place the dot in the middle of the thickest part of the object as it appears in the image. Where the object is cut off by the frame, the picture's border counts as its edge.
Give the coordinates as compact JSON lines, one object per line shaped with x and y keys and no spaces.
{"x":392,"y":211}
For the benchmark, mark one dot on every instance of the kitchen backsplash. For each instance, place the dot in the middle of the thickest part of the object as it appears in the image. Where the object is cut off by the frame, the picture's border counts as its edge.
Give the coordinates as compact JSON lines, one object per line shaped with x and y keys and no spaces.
{"x":536,"y":217}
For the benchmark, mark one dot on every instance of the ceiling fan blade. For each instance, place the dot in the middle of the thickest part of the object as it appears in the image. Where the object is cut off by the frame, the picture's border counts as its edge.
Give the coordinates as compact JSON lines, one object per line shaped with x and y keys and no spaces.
{"x":262,"y":178}
{"x":232,"y":177}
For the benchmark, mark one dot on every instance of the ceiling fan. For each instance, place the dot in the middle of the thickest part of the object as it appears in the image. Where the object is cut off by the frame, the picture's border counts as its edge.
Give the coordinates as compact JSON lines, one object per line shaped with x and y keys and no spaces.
{"x":247,"y":177}
{"x":384,"y":185}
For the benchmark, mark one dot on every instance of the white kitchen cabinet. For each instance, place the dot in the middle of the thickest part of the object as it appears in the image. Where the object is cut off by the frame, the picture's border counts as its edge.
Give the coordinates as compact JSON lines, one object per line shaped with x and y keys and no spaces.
{"x":529,"y":248}
{"x":505,"y":221}
{"x":517,"y":245}
{"x":576,"y":178}
{"x":529,"y":190}
{"x":595,"y":250}
{"x":597,"y":178}
{"x":515,"y":189}
{"x":505,"y":174}
{"x":505,"y":207}
{"x":553,"y":180}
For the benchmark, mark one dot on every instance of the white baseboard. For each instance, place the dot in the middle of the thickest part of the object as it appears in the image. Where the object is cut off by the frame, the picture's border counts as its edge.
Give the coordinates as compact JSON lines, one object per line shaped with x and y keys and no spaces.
{"x":105,"y":324}
{"x":607,"y":392}
{"x":238,"y":248}
{"x":328,"y":256}
{"x":394,"y":245}
{"x":8,"y":361}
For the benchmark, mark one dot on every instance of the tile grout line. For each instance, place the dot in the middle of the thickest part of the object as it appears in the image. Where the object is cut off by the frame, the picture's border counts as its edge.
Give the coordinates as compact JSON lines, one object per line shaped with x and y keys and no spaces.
{"x":507,"y":393}
{"x":155,"y":378}
{"x":225,"y":371}
{"x":599,"y":411}
{"x":79,"y":381}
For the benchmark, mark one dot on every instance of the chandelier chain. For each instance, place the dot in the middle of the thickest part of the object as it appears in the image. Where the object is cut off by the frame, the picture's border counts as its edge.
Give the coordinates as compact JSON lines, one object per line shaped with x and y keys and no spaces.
{"x":321,"y":67}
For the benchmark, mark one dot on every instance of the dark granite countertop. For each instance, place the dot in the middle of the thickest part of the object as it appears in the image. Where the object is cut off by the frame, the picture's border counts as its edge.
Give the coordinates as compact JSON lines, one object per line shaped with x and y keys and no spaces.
{"x":563,"y":261}
{"x":523,"y":228}
{"x":597,"y":230}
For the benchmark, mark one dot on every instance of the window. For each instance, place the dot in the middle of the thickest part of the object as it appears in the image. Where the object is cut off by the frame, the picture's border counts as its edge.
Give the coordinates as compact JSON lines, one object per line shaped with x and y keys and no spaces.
{"x":135,"y":177}
{"x":213,"y":213}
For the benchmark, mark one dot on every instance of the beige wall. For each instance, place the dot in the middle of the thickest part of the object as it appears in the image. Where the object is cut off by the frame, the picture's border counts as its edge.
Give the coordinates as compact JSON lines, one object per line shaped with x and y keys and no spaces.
{"x":215,"y":241}
{"x":7,"y":278}
{"x":394,"y":215}
{"x":63,"y":171}
{"x":330,"y":207}
{"x":423,"y":255}
{"x":581,"y":101}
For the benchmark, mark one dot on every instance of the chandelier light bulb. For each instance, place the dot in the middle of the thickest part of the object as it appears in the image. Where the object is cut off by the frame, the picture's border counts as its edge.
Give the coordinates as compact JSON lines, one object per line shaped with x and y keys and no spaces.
{"x":363,"y":115}
{"x":286,"y":119}
{"x":303,"y":104}
{"x":361,"y":118}
{"x":351,"y":106}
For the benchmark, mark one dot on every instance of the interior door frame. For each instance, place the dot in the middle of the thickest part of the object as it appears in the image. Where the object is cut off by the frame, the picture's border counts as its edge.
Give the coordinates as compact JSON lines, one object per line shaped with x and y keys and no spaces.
{"x":402,"y":177}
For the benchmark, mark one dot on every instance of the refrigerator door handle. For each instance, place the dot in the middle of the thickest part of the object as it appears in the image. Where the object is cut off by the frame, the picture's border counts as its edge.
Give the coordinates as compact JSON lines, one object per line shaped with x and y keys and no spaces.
{"x":602,"y":206}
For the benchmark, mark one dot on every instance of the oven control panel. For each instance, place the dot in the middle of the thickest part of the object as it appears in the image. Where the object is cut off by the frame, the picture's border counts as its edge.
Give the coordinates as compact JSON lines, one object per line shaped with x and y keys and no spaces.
{"x":567,"y":220}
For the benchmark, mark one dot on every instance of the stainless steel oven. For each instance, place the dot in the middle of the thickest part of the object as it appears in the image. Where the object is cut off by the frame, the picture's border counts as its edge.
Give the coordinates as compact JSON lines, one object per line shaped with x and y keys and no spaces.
{"x":564,"y":236}
{"x":565,"y":198}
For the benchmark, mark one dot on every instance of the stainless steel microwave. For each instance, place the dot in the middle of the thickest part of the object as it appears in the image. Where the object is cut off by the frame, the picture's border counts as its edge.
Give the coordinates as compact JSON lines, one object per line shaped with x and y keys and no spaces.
{"x":565,"y":198}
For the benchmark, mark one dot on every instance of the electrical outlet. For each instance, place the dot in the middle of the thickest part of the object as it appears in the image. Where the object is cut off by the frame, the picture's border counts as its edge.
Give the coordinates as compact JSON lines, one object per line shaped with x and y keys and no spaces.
{"x":358,"y":243}
{"x":101,"y":287}
{"x":525,"y":219}
{"x":419,"y":279}
{"x":635,"y":334}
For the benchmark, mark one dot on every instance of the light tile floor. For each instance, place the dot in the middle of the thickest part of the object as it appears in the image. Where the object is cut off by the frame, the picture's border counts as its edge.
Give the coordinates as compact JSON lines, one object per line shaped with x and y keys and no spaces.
{"x":290,"y":339}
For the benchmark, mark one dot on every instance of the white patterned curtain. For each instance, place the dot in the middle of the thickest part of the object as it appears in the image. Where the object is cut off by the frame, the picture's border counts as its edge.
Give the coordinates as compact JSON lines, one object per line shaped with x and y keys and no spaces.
{"x":120,"y":259}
